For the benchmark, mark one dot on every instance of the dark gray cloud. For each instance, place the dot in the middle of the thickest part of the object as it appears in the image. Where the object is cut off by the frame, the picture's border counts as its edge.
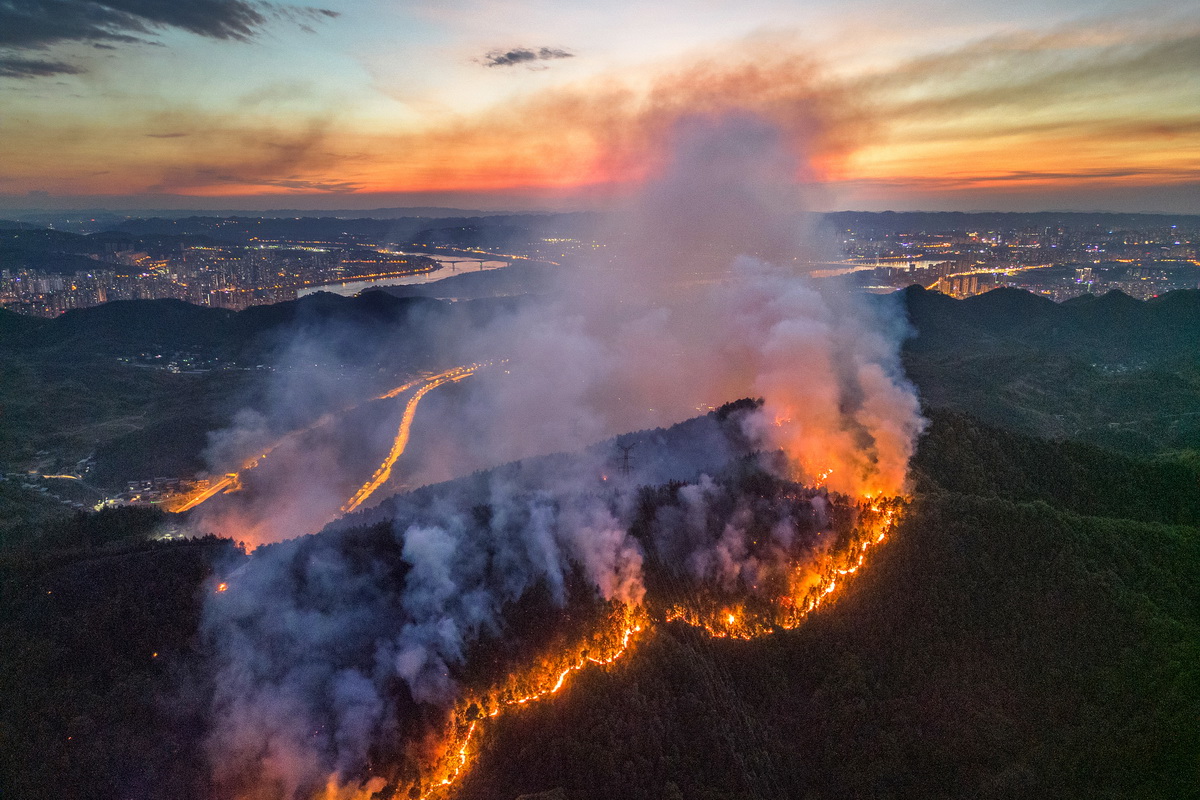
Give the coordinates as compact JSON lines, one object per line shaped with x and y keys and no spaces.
{"x":37,"y":24}
{"x":523,"y":55}
{"x":34,"y":68}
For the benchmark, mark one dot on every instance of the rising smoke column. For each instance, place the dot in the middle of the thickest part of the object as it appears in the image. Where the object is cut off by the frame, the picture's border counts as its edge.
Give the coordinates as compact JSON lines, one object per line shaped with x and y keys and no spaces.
{"x":702,"y":299}
{"x":326,"y":650}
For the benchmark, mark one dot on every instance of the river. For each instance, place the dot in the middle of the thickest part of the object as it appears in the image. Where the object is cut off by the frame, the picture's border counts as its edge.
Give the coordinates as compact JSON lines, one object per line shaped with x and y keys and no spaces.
{"x":448,"y":265}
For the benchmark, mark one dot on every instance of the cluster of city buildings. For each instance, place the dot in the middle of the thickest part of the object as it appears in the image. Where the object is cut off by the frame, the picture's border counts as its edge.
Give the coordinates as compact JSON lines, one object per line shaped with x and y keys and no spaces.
{"x":1055,"y":263}
{"x":233,"y":277}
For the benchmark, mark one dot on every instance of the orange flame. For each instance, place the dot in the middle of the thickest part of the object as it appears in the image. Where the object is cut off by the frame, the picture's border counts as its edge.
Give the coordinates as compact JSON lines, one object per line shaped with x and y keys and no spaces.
{"x":809,"y":585}
{"x":809,"y":588}
{"x":547,"y":679}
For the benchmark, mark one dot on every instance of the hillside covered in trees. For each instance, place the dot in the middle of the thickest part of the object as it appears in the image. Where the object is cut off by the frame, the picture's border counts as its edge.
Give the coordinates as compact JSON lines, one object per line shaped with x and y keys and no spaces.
{"x":1032,"y":629}
{"x":1009,"y":641}
{"x":1020,"y":635}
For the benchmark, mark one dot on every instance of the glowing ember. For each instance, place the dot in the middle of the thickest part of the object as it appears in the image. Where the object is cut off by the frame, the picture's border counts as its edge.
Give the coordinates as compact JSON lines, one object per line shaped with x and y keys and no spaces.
{"x":810,"y":587}
{"x":810,"y":584}
{"x":547,"y":679}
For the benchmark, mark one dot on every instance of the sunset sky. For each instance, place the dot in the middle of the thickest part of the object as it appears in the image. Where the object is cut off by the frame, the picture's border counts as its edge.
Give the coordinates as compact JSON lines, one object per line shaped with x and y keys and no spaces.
{"x":560,"y":104}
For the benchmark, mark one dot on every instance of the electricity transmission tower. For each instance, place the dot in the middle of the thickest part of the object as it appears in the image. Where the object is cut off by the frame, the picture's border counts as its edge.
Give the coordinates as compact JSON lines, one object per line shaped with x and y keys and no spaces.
{"x":625,"y":450}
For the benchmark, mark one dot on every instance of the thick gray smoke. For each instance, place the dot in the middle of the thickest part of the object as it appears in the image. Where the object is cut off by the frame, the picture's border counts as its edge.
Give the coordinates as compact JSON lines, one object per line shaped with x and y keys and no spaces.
{"x":324,"y":646}
{"x":704,"y":299}
{"x":313,"y":635}
{"x":318,"y":418}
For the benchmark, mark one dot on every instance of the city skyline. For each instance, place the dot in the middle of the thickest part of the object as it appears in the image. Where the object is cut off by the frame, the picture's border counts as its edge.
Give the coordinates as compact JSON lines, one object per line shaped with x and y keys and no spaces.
{"x":541,"y":105}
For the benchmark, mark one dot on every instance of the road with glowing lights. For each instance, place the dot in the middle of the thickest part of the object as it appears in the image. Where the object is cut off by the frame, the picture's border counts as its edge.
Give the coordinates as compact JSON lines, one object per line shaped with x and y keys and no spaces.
{"x":232,"y":480}
{"x":384,"y":472}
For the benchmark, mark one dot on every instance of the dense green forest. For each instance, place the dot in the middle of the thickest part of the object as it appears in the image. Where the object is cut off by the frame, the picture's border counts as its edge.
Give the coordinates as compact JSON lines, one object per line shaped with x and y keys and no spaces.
{"x":1032,"y":630}
{"x":1009,"y":641}
{"x":99,"y":634}
{"x":1111,"y":370}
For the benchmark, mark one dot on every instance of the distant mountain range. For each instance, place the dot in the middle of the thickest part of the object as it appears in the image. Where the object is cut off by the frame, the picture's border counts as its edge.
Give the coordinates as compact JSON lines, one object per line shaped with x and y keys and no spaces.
{"x":1110,"y":370}
{"x":874,"y":223}
{"x":1031,"y":629}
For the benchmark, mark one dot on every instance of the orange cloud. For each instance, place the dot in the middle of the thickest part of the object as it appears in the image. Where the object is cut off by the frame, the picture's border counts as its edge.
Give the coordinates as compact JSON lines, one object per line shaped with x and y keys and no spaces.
{"x":612,"y":130}
{"x":1090,"y":106}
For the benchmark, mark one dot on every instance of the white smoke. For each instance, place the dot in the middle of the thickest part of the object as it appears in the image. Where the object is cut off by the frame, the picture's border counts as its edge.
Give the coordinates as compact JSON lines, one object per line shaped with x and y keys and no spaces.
{"x":704,"y":299}
{"x":313,"y":634}
{"x":705,"y":302}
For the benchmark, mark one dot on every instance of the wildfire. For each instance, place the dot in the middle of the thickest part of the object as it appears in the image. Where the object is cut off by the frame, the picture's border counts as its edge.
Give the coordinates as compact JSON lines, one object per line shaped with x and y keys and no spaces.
{"x":809,"y":585}
{"x":799,"y":588}
{"x":545,"y":680}
{"x":809,"y":588}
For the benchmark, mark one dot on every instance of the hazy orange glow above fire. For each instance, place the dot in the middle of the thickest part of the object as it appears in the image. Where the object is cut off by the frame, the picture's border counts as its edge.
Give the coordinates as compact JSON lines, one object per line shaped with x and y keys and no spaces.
{"x":904,"y":104}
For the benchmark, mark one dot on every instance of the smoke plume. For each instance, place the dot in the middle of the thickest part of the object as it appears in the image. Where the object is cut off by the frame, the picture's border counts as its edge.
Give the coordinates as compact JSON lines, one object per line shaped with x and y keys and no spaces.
{"x":332,"y":649}
{"x":703,"y":299}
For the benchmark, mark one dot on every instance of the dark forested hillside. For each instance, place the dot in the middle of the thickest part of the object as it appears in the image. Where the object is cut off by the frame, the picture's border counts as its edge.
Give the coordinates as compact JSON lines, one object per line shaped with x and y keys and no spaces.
{"x":1031,"y":630}
{"x":1114,"y":371}
{"x":1007,"y":642}
{"x":994,"y":649}
{"x":100,"y":630}
{"x":139,"y":384}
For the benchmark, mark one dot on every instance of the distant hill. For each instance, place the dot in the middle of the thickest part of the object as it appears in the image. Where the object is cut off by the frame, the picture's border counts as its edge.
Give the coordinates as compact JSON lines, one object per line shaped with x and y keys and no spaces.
{"x":895,"y":222}
{"x":95,"y":380}
{"x":1109,"y":370}
{"x":125,"y":326}
{"x":487,"y":231}
{"x":28,"y":247}
{"x":10,"y":225}
{"x":1114,"y":326}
